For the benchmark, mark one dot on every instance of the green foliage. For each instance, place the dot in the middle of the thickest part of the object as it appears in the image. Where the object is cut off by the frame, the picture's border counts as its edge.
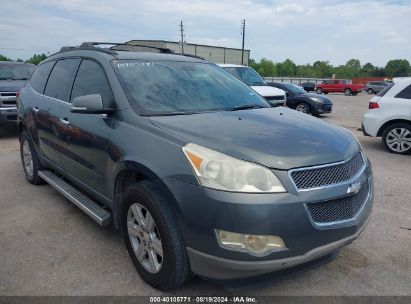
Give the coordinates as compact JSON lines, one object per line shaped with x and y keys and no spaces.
{"x":4,"y":58}
{"x":36,"y":59}
{"x":323,"y":69}
{"x":398,"y":68}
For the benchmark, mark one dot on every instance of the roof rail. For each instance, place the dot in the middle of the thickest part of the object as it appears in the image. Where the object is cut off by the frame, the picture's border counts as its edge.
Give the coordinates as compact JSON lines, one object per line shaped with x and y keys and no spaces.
{"x":189,"y":55}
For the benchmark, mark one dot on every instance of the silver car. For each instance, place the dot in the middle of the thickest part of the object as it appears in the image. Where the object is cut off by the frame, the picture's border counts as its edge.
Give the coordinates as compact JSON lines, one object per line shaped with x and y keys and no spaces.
{"x":373,"y":87}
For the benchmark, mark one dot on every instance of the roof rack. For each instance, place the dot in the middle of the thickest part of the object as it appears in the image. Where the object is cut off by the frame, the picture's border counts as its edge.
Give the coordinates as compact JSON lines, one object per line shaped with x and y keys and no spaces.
{"x":112,"y":50}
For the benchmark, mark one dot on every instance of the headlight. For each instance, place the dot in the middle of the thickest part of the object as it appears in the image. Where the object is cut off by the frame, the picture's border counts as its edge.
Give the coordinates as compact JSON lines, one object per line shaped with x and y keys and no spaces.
{"x":315,"y":99}
{"x":219,"y":171}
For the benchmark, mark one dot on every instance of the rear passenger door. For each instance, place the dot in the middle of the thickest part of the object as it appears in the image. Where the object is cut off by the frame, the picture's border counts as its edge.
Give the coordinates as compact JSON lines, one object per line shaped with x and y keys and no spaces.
{"x":48,"y":105}
{"x":86,"y":153}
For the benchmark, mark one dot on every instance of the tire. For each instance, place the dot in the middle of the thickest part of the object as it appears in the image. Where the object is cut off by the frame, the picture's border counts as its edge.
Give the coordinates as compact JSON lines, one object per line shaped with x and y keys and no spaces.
{"x":319,"y":91}
{"x":303,"y":107}
{"x":370,"y":91}
{"x":354,"y":93}
{"x":165,"y":269}
{"x":347,"y":92}
{"x":30,"y":160}
{"x":396,"y":138}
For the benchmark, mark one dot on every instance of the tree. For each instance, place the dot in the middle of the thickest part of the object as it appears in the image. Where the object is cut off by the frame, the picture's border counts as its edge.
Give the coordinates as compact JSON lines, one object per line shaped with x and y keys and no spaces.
{"x":323,"y":69}
{"x":398,"y":68}
{"x":36,"y":59}
{"x":265,"y":68}
{"x":286,"y":68}
{"x":367,"y":70}
{"x":4,"y":58}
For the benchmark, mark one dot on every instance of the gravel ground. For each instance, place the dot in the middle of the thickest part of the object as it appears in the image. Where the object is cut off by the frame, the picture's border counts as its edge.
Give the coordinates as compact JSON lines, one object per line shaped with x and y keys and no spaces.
{"x":49,"y":247}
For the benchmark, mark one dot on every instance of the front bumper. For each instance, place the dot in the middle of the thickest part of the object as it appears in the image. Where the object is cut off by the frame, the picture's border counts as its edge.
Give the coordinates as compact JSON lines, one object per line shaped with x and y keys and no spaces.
{"x":324,"y":108}
{"x":219,"y":268}
{"x":8,"y":115}
{"x":202,"y":211}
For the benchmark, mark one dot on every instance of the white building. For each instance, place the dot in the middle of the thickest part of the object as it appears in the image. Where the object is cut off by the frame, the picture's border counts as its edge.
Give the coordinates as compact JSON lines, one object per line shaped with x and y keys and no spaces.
{"x":211,"y":53}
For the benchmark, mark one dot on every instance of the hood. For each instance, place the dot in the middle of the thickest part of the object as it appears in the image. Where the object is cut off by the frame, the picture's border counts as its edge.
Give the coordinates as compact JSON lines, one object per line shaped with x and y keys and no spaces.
{"x":277,"y":138}
{"x":267,"y":91}
{"x":11,"y":85}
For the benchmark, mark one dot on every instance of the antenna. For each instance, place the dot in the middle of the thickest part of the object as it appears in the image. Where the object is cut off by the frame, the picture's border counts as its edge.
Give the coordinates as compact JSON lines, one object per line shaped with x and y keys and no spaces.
{"x":182,"y":37}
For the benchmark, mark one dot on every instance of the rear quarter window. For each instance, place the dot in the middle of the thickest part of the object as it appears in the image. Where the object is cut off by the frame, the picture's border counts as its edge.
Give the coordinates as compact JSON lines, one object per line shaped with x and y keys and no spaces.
{"x":39,"y":77}
{"x":405,"y":93}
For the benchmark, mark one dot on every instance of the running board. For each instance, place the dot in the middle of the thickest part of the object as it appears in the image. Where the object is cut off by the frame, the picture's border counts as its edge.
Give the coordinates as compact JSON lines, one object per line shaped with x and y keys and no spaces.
{"x":96,"y":212}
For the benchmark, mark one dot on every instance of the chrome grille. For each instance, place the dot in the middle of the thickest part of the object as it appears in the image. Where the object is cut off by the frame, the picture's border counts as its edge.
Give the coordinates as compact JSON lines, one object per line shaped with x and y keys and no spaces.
{"x":327,"y":175}
{"x":280,"y":97}
{"x":340,"y":209}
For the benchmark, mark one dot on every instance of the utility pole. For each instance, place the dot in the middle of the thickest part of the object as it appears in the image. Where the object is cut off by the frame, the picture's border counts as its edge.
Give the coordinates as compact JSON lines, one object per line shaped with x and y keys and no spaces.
{"x":182,"y":37}
{"x":243,"y":33}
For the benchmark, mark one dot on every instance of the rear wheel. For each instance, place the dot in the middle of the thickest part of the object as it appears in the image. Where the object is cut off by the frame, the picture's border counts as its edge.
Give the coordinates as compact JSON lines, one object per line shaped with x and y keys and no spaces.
{"x":303,"y":107}
{"x":397,"y":138}
{"x":29,"y":160}
{"x":153,"y":238}
{"x":347,"y":92}
{"x":370,"y":91}
{"x":319,"y":91}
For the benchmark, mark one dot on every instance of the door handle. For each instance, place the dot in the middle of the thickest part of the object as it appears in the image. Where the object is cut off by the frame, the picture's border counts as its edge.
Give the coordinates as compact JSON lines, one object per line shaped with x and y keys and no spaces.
{"x":64,"y":121}
{"x":36,"y":110}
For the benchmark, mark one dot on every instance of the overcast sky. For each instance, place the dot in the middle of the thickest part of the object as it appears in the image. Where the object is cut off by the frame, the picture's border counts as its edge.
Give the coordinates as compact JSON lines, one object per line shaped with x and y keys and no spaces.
{"x":304,"y":31}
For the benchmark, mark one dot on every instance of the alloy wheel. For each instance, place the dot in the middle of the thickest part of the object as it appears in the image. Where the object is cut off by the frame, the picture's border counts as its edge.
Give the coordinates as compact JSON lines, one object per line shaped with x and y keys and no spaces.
{"x":145,"y":238}
{"x":28,"y":158}
{"x":302,"y":108}
{"x":399,"y":140}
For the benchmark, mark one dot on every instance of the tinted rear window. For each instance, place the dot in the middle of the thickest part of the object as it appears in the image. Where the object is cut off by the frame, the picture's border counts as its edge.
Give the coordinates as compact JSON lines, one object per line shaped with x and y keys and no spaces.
{"x":385,"y":90}
{"x":406,"y":93}
{"x":39,"y":78}
{"x":59,"y":83}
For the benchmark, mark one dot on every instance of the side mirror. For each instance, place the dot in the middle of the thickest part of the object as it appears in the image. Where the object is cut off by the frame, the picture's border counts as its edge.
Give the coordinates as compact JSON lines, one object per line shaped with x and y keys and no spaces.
{"x":287,"y":94}
{"x":89,"y":104}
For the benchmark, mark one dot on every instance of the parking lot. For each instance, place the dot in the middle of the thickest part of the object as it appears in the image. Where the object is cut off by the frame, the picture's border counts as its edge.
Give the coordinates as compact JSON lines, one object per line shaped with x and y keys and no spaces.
{"x":49,"y":247}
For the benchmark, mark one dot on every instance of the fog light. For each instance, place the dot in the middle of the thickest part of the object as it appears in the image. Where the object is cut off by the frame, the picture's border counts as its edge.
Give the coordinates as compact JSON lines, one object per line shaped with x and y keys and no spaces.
{"x":254,"y":244}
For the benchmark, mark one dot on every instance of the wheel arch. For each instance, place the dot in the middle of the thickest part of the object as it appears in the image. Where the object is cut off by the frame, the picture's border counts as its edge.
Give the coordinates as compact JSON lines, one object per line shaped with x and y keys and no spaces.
{"x":390,"y":122}
{"x":130,"y":172}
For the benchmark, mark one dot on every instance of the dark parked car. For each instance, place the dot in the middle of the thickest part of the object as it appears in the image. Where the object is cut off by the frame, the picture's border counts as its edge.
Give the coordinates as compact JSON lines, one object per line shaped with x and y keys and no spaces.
{"x":308,"y":86}
{"x":197,"y":170}
{"x":13,"y":76}
{"x":300,"y":100}
{"x":374,"y":87}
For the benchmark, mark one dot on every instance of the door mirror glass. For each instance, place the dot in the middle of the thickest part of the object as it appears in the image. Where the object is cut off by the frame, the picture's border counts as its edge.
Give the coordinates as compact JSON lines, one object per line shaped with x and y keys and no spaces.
{"x":89,"y":104}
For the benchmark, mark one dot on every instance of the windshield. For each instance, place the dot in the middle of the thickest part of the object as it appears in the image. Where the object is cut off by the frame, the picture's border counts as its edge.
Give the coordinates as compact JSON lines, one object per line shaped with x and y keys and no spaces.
{"x":15,"y":71}
{"x":293,"y":89}
{"x":246,"y":75}
{"x":172,"y":87}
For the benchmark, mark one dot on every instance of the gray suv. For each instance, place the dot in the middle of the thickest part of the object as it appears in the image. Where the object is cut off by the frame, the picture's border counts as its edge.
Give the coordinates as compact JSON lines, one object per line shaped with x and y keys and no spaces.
{"x":195,"y":169}
{"x":374,"y":87}
{"x":13,"y":76}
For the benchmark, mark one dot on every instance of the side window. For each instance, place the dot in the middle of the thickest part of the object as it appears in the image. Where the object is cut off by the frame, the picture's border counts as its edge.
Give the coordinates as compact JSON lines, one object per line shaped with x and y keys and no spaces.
{"x":60,"y":80}
{"x":91,"y":79}
{"x":39,"y":78}
{"x":406,"y":93}
{"x":344,"y":81}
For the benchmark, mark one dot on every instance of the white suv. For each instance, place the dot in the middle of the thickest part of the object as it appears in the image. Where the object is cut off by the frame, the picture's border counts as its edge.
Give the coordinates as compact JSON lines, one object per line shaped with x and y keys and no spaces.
{"x":275,"y":96}
{"x":389,"y":116}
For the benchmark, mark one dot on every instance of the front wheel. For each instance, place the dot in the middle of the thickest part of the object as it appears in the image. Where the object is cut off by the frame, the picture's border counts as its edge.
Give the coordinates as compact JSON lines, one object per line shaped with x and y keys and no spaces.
{"x":303,"y":107}
{"x":29,"y":160}
{"x":153,"y":238}
{"x":347,"y":92}
{"x":370,"y":91}
{"x":397,"y":138}
{"x":319,"y":91}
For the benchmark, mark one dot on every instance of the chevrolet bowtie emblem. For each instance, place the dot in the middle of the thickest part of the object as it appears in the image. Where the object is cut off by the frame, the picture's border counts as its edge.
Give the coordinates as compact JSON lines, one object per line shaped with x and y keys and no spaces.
{"x":354,"y":188}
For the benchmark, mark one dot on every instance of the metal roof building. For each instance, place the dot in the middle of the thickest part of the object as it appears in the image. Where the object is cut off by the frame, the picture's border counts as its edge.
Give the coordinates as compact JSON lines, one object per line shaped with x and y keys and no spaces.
{"x":216,"y":54}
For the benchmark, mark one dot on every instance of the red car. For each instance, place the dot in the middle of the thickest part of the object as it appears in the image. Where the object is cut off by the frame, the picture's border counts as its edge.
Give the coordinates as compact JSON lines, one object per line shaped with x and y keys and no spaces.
{"x":338,"y":86}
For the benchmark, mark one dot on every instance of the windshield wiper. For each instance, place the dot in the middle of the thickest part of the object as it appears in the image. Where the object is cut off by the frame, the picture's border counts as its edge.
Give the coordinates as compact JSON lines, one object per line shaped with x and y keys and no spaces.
{"x":176,"y":113}
{"x":246,"y":107}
